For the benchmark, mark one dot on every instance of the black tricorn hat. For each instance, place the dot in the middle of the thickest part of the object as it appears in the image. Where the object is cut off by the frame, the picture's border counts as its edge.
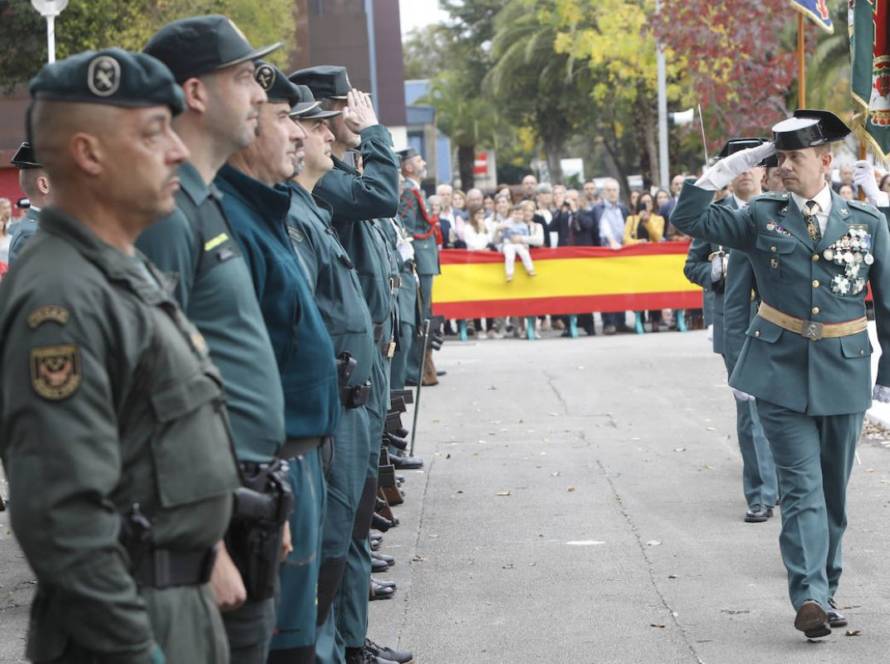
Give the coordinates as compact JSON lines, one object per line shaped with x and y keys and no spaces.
{"x":24,"y":157}
{"x":737,"y":144}
{"x":808,"y":129}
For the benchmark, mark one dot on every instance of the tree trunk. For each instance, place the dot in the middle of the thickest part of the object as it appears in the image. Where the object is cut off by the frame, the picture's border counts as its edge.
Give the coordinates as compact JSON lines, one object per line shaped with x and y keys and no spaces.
{"x":649,"y":125}
{"x":466,"y":161}
{"x":553,"y":153}
{"x":613,"y":158}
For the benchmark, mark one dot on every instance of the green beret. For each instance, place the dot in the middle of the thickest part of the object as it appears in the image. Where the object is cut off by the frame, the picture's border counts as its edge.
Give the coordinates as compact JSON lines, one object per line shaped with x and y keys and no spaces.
{"x":112,"y":76}
{"x":199,"y":45}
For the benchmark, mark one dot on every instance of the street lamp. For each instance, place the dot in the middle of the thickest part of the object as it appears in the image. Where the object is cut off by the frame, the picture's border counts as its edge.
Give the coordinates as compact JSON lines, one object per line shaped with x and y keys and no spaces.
{"x":49,"y":9}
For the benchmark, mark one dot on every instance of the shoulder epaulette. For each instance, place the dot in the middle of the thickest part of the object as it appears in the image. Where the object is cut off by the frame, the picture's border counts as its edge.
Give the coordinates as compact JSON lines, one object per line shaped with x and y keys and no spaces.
{"x":866,"y":207}
{"x":776,"y":196}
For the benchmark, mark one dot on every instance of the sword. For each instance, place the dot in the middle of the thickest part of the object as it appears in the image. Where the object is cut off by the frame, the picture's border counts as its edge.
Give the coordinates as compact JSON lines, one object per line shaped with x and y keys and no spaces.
{"x":426,"y":345}
{"x":704,"y":140}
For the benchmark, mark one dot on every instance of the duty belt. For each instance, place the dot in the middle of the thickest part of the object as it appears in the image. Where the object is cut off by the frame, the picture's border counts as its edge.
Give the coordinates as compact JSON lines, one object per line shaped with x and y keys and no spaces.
{"x":809,"y":329}
{"x":294,"y":447}
{"x":395,"y":283}
{"x":163,"y":568}
{"x":353,"y":396}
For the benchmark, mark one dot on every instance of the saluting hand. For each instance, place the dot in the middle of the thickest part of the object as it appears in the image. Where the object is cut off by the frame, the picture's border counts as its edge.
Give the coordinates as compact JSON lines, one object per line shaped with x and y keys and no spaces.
{"x":359,"y":112}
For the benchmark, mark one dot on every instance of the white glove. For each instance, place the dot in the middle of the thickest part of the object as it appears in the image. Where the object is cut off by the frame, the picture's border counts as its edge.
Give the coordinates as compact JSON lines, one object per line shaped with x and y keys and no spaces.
{"x":406,"y":250}
{"x":727,"y":169}
{"x":881,"y":393}
{"x":741,"y":396}
{"x":864,"y":178}
{"x":716,"y":268}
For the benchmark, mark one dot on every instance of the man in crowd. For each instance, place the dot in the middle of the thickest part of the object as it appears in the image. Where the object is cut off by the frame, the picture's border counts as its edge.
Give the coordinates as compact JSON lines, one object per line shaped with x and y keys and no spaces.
{"x":707,"y":266}
{"x":34,"y":181}
{"x":454,"y":218}
{"x":214,"y":64}
{"x":257,"y":211}
{"x":806,"y":359}
{"x":362,"y":204}
{"x":417,"y":221}
{"x":845,"y":172}
{"x":591,"y":195}
{"x":111,"y":408}
{"x":529,"y":182}
{"x":608,"y":218}
{"x":668,"y":208}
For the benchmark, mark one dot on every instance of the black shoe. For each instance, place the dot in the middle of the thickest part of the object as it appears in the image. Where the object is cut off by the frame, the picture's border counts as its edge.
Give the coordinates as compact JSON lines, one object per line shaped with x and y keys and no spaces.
{"x":812,"y":620}
{"x":394,"y":441}
{"x":441,"y":372}
{"x":410,"y":382}
{"x":400,"y":656}
{"x":379,"y":591}
{"x":406,"y":462}
{"x":835,"y":617}
{"x":389,"y":560}
{"x":758,"y":514}
{"x":609,"y":330}
{"x":378,"y":566}
{"x":365,"y":656}
{"x":379,"y":523}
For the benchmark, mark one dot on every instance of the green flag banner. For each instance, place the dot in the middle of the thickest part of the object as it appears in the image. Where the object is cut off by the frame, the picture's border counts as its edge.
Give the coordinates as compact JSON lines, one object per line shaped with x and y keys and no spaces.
{"x":869,"y":23}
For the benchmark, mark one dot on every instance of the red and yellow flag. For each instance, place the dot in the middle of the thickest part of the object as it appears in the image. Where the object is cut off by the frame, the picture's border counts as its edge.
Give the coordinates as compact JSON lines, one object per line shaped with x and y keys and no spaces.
{"x":570,"y":280}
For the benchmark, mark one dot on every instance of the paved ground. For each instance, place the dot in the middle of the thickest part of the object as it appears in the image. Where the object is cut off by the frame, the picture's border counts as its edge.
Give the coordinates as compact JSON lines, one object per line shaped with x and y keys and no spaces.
{"x":582,"y":503}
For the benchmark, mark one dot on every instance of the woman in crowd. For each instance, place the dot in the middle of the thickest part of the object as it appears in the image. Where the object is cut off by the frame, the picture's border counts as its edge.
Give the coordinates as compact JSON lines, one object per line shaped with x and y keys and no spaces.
{"x":488,"y":204}
{"x":845,"y":191}
{"x":644,"y":225}
{"x":633,"y":198}
{"x":459,"y":203}
{"x":444,"y":224}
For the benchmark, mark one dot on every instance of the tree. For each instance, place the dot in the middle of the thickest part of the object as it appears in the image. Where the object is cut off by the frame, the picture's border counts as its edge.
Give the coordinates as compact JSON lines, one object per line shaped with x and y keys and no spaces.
{"x":96,"y":24}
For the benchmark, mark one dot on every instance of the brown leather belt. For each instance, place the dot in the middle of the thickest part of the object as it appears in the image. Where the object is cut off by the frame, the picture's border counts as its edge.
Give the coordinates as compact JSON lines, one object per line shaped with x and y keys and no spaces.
{"x":809,"y":329}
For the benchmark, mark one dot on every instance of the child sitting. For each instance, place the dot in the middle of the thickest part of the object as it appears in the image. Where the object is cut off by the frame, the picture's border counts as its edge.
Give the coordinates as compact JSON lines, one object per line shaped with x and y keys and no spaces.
{"x":515,"y":234}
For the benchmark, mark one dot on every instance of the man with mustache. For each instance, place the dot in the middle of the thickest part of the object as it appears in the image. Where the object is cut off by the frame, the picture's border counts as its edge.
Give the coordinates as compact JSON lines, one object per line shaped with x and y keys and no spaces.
{"x":112,"y":430}
{"x":214,"y":64}
{"x":806,"y":359}
{"x":706,"y":265}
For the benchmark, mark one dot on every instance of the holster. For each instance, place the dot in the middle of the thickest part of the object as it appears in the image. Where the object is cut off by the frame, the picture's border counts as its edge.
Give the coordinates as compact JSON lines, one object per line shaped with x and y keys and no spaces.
{"x":261,"y":508}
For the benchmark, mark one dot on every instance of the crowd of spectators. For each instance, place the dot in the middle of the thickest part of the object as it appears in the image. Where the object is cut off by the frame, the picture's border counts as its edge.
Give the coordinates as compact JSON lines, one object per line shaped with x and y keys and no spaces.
{"x":557,"y":216}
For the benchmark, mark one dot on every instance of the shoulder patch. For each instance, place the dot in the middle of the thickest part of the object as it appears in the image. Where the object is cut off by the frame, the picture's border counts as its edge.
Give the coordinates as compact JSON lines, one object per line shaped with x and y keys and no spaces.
{"x":49,"y":313}
{"x":55,"y":371}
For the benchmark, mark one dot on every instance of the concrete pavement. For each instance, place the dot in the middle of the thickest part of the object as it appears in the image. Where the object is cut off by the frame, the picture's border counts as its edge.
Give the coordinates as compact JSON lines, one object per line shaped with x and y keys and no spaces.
{"x":582,"y":503}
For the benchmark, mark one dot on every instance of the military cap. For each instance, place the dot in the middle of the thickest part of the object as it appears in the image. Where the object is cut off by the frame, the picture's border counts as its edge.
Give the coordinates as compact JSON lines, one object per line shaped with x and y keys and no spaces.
{"x":24,"y":157}
{"x":111,"y":76}
{"x":274,"y":82}
{"x":325,"y":81}
{"x":734,"y":145}
{"x":309,"y":108}
{"x":807,"y":129}
{"x":200,"y":45}
{"x":406,"y":154}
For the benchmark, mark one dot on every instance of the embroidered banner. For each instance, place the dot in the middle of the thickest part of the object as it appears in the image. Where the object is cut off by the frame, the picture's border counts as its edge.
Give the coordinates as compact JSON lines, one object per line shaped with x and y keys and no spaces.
{"x":570,"y":280}
{"x":817,"y":10}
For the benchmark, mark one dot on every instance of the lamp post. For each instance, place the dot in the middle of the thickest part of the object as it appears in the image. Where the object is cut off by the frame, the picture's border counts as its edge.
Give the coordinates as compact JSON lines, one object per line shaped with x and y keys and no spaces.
{"x":49,"y":9}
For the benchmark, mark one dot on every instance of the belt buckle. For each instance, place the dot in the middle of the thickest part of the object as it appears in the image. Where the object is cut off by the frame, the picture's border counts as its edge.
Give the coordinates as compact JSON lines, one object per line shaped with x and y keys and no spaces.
{"x":390,"y":350}
{"x":812,"y":330}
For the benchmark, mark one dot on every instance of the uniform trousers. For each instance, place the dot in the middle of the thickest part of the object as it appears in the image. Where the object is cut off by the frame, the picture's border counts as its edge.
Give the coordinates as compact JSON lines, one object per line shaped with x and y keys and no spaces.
{"x":346,"y":484}
{"x":294,"y":641}
{"x":399,"y":367}
{"x":758,"y":469}
{"x":352,"y":599}
{"x":416,"y":357}
{"x":814,"y":456}
{"x":249,"y":629}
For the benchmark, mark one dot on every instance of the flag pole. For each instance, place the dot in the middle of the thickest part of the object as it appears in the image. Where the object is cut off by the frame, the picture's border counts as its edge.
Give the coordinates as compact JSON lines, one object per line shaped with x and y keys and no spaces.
{"x":801,"y":63}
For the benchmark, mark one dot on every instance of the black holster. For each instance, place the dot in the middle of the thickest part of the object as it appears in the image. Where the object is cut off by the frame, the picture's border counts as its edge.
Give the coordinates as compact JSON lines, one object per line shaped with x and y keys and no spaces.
{"x":260,"y":510}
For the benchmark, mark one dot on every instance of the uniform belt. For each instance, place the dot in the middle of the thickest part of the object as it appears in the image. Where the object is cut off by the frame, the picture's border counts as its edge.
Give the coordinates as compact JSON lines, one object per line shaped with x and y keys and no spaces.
{"x":809,"y":329}
{"x":163,"y":568}
{"x":294,"y":447}
{"x":395,"y":283}
{"x":387,"y":346}
{"x":378,"y":332}
{"x":353,"y":396}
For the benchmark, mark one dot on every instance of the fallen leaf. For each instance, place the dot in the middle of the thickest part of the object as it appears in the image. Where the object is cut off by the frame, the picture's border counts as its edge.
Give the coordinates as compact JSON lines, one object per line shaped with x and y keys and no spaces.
{"x":653,"y":543}
{"x":503,"y":493}
{"x":448,"y":456}
{"x":656,"y":626}
{"x":853,"y":632}
{"x":672,"y":576}
{"x":710,"y":428}
{"x":584,"y":542}
{"x":571,"y":489}
{"x":679,"y":449}
{"x":555,"y":474}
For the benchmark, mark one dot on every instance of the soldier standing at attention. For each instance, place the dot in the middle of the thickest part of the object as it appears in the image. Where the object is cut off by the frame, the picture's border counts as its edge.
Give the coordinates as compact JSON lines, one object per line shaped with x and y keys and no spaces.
{"x":34,"y":181}
{"x":113,"y":429}
{"x":707,"y":265}
{"x":361,"y":204}
{"x":806,"y":359}
{"x":214,"y":64}
{"x":417,"y":221}
{"x":257,"y":210}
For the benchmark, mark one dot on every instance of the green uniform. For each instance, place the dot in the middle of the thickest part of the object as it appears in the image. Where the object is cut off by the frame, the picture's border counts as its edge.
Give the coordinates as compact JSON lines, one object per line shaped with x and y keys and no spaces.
{"x":338,"y":294}
{"x":109,"y":400}
{"x":407,"y":310}
{"x":357,"y":199}
{"x":23,"y":232}
{"x":758,"y":470}
{"x":415,"y":218}
{"x":811,"y":395}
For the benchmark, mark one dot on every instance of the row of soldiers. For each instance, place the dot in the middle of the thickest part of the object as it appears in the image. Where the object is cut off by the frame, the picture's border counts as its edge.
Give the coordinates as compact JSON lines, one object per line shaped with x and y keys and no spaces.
{"x":790,"y":270}
{"x":200,"y":347}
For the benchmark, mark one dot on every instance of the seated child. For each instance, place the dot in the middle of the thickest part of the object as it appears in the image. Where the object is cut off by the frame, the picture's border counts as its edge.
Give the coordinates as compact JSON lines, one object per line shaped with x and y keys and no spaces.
{"x":515,"y":234}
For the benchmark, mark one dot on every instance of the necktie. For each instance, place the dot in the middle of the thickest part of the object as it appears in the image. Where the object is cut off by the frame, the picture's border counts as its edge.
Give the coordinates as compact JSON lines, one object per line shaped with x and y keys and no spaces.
{"x":809,"y":216}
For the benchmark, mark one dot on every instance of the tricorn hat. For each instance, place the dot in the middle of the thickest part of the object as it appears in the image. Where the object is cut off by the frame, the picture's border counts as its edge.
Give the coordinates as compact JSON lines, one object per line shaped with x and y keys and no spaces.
{"x":24,"y":157}
{"x":734,"y":145}
{"x":807,"y":129}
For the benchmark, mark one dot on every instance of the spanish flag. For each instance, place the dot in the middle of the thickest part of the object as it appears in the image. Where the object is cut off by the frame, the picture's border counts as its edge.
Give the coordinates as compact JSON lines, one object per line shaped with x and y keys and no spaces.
{"x":569,"y":280}
{"x":870,"y":78}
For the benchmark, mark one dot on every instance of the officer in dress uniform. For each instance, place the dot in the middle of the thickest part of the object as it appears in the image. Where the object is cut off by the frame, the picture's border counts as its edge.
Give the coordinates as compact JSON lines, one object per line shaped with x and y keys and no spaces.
{"x":214,"y":63}
{"x":113,"y":431}
{"x":361,"y":205}
{"x":408,"y":313}
{"x":34,"y":181}
{"x":707,"y":265}
{"x":257,"y":210}
{"x":423,"y":229}
{"x":806,"y":358}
